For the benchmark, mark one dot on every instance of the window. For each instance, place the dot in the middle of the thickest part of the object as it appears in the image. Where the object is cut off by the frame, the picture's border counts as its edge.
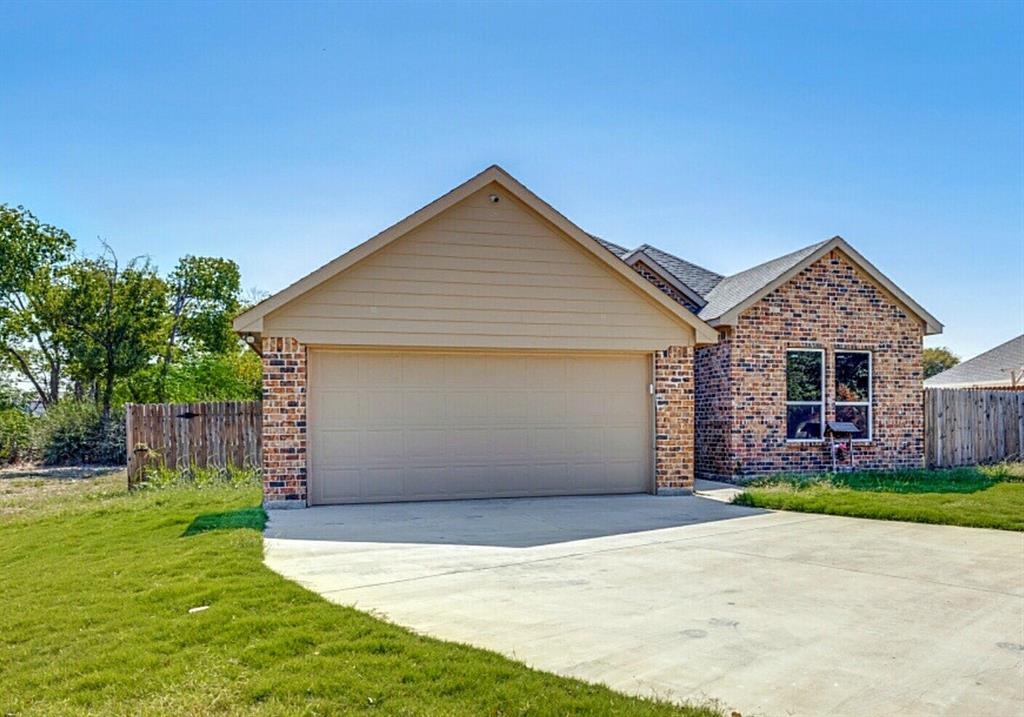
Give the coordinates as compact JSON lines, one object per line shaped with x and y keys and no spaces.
{"x":853,"y":390}
{"x":805,"y":394}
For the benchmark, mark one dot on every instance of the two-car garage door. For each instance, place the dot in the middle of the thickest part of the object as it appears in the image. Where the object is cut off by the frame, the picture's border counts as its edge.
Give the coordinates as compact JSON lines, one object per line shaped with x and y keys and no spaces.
{"x":428,"y":426}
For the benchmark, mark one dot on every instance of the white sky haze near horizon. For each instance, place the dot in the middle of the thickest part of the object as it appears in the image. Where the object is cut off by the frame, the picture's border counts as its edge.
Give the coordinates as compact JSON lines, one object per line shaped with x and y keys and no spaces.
{"x":281,"y":135}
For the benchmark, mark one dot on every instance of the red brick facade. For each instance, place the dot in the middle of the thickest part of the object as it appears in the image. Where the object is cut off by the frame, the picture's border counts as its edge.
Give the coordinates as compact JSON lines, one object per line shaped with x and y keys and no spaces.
{"x":713,"y":407}
{"x":284,"y":423}
{"x":741,"y":381}
{"x":673,"y":419}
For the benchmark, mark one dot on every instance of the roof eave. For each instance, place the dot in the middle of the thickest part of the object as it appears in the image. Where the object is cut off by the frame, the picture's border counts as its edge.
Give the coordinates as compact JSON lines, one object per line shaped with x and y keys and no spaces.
{"x":729,"y":318}
{"x":368,"y":247}
{"x":932,"y":325}
{"x":703,"y":333}
{"x":970,"y":384}
{"x":244,"y":324}
{"x":639,"y":255}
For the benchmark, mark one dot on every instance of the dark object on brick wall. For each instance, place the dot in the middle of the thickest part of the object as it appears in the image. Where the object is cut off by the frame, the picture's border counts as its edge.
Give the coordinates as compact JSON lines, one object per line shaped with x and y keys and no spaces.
{"x":841,"y":434}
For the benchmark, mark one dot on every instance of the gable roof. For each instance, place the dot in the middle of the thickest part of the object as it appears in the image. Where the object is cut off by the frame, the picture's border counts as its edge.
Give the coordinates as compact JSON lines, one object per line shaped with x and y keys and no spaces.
{"x":733,"y":290}
{"x":735,"y":293}
{"x":723,"y":298}
{"x":619,"y":251}
{"x":699,"y":279}
{"x":643,"y":255}
{"x":995,"y":367}
{"x":251,"y":321}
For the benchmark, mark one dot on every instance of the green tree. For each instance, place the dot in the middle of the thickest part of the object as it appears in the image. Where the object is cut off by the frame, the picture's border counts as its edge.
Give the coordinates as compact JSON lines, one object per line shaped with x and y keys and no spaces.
{"x":803,"y":376}
{"x":32,"y":255}
{"x":937,"y":360}
{"x":113,"y":318}
{"x":11,"y":396}
{"x":229,"y":376}
{"x":203,"y":294}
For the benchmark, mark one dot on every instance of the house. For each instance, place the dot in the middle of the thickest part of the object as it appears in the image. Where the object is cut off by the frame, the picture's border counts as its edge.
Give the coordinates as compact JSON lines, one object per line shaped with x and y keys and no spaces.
{"x":816,"y":335}
{"x":999,"y":368}
{"x":486,"y":346}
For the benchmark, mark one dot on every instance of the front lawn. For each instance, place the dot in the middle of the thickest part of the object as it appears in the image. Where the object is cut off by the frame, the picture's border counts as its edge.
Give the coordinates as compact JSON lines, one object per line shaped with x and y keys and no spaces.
{"x":980,"y":497}
{"x":95,"y":593}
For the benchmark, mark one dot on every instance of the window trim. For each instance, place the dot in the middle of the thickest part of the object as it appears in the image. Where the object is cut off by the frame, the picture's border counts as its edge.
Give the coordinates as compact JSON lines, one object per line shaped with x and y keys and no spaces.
{"x":871,"y":390}
{"x":821,"y":352}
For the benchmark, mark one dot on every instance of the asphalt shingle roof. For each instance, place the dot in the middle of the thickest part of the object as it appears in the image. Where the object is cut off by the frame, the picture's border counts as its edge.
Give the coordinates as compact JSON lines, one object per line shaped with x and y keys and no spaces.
{"x":619,"y":251}
{"x":698,"y":278}
{"x":722,"y":293}
{"x":991,"y":367}
{"x":732,"y":290}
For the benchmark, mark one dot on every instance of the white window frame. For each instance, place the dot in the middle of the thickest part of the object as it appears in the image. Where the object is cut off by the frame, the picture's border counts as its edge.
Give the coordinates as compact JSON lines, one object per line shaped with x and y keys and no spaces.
{"x":871,"y":390}
{"x":821,"y":403}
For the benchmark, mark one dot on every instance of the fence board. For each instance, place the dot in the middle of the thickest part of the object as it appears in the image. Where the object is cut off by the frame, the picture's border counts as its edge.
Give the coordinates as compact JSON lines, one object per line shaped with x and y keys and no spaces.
{"x":181,"y":435}
{"x":970,"y":426}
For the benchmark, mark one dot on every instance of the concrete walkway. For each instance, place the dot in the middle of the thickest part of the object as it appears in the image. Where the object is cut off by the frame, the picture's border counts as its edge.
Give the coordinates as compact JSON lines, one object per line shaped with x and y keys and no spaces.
{"x":723,"y":492}
{"x":689,"y":598}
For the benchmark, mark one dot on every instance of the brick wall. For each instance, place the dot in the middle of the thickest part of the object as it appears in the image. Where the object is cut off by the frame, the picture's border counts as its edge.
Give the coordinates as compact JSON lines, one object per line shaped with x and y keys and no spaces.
{"x":284,"y":423}
{"x":674,"y":404}
{"x":713,"y":408}
{"x":830,"y":305}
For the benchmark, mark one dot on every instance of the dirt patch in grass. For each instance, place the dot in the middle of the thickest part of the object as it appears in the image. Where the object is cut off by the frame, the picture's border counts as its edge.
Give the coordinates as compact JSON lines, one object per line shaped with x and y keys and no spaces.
{"x":44,"y":489}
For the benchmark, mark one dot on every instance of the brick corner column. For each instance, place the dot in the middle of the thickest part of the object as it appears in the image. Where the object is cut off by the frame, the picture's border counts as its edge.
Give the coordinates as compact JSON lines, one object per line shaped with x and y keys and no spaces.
{"x":284,"y":423}
{"x":674,"y":420}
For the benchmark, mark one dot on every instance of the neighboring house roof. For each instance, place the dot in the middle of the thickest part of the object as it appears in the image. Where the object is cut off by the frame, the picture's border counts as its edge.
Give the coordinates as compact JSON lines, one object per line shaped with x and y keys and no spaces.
{"x":251,"y":321}
{"x":1001,"y":366}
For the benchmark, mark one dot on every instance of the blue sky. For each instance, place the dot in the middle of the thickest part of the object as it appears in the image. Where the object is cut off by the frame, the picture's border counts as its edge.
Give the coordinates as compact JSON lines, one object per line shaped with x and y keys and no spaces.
{"x":725,"y":133}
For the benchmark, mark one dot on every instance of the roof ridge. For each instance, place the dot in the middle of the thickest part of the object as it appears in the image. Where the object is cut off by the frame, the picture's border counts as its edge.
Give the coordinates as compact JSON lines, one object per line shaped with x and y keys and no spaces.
{"x":736,"y":288}
{"x":250,"y":321}
{"x":985,"y":368}
{"x":999,"y":346}
{"x":694,"y":276}
{"x":611,"y":246}
{"x":679,"y":258}
{"x":801,"y":250}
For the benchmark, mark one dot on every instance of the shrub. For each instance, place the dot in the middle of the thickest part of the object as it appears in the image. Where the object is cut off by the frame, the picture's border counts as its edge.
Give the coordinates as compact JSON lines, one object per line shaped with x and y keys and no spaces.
{"x":15,"y":436}
{"x":73,"y":432}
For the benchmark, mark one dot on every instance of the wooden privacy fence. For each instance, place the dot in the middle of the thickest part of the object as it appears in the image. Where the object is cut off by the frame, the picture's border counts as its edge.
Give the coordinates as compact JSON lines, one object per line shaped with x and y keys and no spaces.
{"x":182,"y":435}
{"x":969,"y":426}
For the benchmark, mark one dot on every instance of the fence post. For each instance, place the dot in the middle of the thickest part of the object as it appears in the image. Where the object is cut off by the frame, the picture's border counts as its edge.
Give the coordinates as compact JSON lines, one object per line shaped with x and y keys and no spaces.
{"x":129,"y":449}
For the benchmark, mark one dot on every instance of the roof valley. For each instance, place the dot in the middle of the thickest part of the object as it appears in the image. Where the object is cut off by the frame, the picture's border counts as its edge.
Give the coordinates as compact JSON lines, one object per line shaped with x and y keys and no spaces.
{"x":720,"y":292}
{"x":724,"y":296}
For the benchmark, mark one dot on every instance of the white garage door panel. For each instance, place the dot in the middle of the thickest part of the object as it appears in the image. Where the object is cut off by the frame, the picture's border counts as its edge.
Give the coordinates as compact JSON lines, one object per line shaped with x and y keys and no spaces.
{"x":421,"y":426}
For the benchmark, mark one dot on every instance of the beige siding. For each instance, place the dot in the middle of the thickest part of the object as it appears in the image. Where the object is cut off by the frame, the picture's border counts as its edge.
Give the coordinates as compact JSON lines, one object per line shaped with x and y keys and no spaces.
{"x":480,"y":275}
{"x":418,"y":425}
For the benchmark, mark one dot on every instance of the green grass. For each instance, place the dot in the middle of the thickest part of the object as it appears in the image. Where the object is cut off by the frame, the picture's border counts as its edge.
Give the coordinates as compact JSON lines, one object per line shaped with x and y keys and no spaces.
{"x":980,"y":497}
{"x":95,"y":592}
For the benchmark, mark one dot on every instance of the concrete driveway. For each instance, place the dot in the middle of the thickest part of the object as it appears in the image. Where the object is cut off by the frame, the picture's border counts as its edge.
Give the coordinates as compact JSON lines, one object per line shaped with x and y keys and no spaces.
{"x":687,"y":598}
